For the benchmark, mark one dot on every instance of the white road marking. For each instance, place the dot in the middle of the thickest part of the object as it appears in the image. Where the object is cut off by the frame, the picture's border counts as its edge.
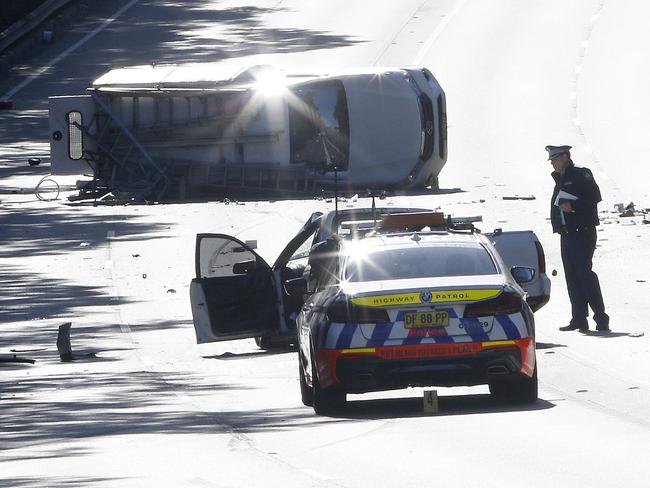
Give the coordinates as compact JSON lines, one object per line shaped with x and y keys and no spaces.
{"x":594,"y":17}
{"x":316,"y":474}
{"x":585,"y":43}
{"x":573,"y":95}
{"x":110,"y":234}
{"x":436,"y":33}
{"x":43,"y":69}
{"x":578,"y":69}
{"x":576,"y":121}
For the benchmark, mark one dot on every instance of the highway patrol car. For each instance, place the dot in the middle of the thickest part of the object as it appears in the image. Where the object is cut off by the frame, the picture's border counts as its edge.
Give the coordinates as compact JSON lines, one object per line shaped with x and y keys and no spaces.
{"x":405,"y":301}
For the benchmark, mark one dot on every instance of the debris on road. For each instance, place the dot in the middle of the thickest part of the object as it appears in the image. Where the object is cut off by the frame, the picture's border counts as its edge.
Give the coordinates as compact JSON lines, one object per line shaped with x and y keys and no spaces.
{"x":64,"y":346}
{"x":171,"y":290}
{"x":13,"y":358}
{"x":63,"y":342}
{"x":519,"y":197}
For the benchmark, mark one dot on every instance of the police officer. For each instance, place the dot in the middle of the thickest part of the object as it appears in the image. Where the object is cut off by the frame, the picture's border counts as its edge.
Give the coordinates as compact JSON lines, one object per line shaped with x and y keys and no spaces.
{"x":574,"y":216}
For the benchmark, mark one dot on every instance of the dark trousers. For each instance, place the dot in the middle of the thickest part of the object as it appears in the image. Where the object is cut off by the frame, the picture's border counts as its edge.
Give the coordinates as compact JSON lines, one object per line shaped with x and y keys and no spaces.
{"x":581,"y":281}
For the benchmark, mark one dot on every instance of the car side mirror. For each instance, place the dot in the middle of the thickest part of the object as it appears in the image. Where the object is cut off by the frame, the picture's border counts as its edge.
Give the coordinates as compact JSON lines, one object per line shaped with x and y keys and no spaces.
{"x":295,"y":287}
{"x":522,"y":274}
{"x":244,"y":267}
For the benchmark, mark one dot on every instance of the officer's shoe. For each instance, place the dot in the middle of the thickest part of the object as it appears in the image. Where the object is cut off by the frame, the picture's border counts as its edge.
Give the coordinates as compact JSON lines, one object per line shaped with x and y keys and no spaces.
{"x":602,"y":324}
{"x":574,"y":326}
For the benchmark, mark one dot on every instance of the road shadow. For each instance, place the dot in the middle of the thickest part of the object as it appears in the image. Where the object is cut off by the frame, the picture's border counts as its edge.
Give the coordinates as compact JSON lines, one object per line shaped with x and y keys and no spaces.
{"x":612,"y":335}
{"x":230,"y":356}
{"x":59,"y":481}
{"x":448,"y":405}
{"x":64,"y":406}
{"x":547,"y":345}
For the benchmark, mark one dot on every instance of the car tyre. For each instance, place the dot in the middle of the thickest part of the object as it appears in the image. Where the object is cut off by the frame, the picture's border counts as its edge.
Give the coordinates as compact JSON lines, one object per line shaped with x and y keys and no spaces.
{"x":264,"y":342}
{"x":325,"y":400}
{"x":521,"y":390}
{"x":306,"y":391}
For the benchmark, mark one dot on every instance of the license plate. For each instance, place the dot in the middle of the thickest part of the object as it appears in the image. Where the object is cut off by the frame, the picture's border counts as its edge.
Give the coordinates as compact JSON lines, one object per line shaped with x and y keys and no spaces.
{"x":426,"y":319}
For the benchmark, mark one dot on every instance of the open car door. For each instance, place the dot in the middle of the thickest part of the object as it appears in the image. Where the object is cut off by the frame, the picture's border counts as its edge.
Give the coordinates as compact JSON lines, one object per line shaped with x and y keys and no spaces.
{"x":522,"y":248}
{"x":233,"y":295}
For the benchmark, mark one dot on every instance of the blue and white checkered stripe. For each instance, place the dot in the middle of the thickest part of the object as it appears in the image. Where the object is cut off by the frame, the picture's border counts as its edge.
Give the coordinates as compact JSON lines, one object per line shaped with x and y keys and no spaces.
{"x":501,"y":327}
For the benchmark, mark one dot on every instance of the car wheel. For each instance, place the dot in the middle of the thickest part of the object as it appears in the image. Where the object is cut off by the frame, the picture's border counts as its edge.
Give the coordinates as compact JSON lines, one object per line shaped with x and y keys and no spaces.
{"x":306,"y":391}
{"x":264,"y":342}
{"x":523,"y":390}
{"x":325,"y":400}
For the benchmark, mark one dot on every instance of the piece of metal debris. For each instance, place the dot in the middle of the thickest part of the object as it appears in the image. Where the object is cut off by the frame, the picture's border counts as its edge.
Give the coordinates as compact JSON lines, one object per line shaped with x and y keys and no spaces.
{"x":13,"y":358}
{"x":519,"y":197}
{"x":64,"y":346}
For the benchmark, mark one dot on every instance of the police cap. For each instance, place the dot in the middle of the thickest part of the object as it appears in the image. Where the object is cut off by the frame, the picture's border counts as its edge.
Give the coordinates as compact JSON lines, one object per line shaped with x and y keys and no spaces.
{"x":555,"y":151}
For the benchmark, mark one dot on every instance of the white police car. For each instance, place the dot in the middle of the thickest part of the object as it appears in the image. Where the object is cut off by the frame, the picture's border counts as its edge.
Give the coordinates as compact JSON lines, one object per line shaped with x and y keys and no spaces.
{"x":408,"y":301}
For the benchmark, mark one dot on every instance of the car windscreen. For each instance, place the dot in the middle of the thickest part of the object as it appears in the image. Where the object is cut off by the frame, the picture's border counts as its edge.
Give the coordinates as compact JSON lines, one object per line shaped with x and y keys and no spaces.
{"x":419,"y":262}
{"x":319,"y":125}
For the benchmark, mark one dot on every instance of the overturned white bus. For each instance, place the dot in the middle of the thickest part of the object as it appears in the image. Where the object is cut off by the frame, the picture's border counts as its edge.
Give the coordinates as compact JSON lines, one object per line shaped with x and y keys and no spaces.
{"x":225,"y":128}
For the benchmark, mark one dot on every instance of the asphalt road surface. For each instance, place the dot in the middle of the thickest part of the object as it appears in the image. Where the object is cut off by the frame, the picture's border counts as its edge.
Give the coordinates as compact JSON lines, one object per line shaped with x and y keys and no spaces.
{"x":155,"y":409}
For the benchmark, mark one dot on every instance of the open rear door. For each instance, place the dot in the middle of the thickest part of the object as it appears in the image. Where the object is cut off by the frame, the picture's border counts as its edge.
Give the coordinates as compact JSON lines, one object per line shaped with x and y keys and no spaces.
{"x":72,"y":124}
{"x":522,"y":248}
{"x":233,"y":295}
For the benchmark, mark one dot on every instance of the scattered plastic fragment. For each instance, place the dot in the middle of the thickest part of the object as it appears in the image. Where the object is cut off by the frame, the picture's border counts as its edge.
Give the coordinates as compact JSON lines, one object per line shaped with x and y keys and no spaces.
{"x":519,"y":197}
{"x":171,"y":290}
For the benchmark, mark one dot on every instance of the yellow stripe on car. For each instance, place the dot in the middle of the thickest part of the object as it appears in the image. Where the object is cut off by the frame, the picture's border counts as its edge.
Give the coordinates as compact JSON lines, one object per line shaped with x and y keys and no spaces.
{"x":441,"y":296}
{"x":498,"y":343}
{"x":361,"y":350}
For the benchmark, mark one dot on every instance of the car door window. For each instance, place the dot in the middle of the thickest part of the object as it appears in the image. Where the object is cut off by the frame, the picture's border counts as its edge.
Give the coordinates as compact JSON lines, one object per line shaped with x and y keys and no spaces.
{"x":217,"y":257}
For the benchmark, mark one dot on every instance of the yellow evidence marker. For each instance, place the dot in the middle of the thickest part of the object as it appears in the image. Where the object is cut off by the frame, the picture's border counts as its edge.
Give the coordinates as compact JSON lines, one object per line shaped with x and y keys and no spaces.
{"x":430,"y":401}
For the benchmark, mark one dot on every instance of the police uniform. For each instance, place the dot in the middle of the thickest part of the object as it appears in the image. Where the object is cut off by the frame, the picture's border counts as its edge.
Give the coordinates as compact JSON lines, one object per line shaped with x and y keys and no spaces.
{"x":577,"y":231}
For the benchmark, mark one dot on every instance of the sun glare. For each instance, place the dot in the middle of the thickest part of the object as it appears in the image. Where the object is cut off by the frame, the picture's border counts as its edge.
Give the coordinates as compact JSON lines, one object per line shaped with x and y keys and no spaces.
{"x":271,"y":83}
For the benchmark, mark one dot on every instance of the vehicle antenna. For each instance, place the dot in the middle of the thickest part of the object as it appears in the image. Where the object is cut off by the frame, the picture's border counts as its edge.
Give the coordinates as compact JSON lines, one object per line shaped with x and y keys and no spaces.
{"x":374,"y":212}
{"x":334,"y":166}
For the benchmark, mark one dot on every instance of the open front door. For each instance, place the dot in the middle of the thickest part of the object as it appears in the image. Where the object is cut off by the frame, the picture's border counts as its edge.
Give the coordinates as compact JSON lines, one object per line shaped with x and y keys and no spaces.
{"x":233,"y":295}
{"x":522,"y":248}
